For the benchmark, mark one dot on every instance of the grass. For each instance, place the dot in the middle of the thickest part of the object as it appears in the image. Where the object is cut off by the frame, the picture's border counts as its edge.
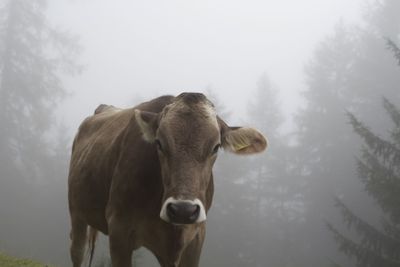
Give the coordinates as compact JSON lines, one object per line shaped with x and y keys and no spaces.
{"x":8,"y":261}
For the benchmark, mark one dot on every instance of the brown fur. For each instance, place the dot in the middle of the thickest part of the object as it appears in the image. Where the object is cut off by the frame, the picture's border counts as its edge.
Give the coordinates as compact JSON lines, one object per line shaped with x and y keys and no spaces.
{"x":118,"y":181}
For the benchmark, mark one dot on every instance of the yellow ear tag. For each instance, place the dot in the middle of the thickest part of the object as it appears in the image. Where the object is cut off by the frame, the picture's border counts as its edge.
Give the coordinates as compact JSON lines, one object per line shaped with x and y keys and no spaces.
{"x":240,"y":146}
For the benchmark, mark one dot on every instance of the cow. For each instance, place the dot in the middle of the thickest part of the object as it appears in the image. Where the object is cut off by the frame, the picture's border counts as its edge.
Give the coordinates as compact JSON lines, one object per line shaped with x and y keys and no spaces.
{"x":143,"y":176}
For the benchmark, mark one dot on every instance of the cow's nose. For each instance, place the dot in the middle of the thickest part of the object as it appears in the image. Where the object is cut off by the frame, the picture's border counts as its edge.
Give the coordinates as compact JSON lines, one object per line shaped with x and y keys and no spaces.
{"x":183,"y":212}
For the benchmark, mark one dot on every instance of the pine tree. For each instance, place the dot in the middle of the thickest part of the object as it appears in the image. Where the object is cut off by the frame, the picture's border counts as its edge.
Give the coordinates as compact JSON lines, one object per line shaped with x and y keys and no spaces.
{"x":322,"y":164}
{"x":394,"y":48}
{"x":32,"y":56}
{"x":349,"y":71}
{"x":379,"y":171}
{"x":273,"y":190}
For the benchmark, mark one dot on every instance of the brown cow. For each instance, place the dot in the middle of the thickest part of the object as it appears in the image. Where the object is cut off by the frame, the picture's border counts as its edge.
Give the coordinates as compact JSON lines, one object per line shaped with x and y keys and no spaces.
{"x":144,"y":177}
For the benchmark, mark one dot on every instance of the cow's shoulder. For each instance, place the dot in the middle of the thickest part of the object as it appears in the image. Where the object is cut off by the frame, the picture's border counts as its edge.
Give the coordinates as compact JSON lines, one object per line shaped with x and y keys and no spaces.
{"x":102,"y":114}
{"x":105,"y":124}
{"x":109,"y":121}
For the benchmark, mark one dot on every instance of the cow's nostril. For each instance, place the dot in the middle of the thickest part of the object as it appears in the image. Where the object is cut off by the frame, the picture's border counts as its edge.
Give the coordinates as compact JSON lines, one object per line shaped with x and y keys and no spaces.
{"x":195,"y":213}
{"x":183,"y":212}
{"x":173,"y":209}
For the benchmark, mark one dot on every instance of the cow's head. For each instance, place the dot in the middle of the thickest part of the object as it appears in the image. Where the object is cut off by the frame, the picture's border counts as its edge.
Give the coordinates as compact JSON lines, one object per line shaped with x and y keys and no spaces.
{"x":188,"y":134}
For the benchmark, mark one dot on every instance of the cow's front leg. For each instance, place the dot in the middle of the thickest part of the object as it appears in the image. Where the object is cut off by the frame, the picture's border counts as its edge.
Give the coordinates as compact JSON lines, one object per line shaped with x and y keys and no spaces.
{"x":191,"y":254}
{"x":121,"y":242}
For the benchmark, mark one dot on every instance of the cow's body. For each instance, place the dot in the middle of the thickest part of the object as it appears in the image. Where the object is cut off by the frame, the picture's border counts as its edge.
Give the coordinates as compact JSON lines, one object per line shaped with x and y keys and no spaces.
{"x":116,"y":186}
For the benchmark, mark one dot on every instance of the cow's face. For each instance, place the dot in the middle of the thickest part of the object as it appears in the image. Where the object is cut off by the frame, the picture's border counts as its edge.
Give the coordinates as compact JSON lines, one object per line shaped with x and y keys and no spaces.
{"x":188,"y":134}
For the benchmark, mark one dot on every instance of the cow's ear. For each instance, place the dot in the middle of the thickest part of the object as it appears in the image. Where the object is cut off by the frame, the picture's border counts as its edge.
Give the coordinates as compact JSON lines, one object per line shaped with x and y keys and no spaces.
{"x":147,"y":122}
{"x":241,"y":140}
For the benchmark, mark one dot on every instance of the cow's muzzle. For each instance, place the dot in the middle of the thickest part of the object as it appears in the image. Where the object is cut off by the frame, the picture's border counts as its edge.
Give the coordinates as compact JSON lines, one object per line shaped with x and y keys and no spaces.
{"x":178,"y":211}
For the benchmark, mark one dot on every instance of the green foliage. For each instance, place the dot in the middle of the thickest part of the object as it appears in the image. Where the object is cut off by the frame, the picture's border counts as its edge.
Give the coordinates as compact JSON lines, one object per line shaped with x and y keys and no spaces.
{"x":8,"y":261}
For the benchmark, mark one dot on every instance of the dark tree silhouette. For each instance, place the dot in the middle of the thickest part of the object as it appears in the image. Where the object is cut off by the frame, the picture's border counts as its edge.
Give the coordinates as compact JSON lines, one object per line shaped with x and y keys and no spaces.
{"x":394,"y":48}
{"x":349,"y":71}
{"x":379,"y":171}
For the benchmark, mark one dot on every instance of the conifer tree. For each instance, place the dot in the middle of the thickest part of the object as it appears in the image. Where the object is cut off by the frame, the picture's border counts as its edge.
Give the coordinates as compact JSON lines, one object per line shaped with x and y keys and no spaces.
{"x":379,"y":171}
{"x":273,"y":192}
{"x":32,"y":56}
{"x":394,"y":48}
{"x":350,"y":70}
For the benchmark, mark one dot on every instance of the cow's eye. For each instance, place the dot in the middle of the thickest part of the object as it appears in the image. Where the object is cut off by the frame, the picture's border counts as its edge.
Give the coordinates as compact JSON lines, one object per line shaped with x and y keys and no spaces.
{"x":159,"y":146}
{"x":216,"y":148}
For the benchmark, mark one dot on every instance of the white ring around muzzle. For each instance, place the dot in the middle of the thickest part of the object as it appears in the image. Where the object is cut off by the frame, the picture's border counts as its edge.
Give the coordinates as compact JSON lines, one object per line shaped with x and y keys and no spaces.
{"x":202,"y":215}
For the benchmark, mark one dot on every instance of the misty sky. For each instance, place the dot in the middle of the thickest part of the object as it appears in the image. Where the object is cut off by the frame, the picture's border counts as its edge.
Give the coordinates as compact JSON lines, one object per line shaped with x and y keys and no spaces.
{"x":141,"y":49}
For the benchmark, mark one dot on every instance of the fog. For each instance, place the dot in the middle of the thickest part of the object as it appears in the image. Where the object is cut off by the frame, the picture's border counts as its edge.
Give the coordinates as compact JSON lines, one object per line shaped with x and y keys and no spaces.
{"x":153,"y":48}
{"x":320,"y":79}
